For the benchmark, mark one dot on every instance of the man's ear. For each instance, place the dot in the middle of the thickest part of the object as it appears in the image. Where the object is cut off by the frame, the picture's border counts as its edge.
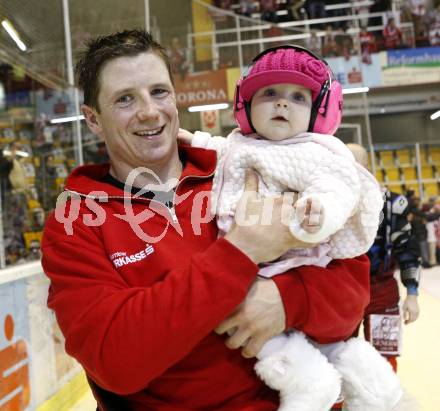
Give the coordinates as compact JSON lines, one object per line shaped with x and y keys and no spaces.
{"x":92,"y":119}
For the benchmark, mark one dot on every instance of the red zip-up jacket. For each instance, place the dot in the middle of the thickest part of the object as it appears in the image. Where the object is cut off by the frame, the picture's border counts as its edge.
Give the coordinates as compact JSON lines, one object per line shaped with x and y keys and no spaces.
{"x":138,"y":315}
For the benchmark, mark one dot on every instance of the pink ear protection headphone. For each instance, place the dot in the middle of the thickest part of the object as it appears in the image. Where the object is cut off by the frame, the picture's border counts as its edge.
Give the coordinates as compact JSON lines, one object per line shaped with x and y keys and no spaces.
{"x":296,"y":65}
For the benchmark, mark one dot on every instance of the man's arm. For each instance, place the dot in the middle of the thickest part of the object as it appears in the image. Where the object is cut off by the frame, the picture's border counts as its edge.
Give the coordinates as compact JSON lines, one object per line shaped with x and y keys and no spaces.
{"x":327,"y":304}
{"x":125,"y":336}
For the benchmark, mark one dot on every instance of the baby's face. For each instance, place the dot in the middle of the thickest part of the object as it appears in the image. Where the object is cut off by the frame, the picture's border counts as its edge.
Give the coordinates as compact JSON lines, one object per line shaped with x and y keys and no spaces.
{"x":281,"y":111}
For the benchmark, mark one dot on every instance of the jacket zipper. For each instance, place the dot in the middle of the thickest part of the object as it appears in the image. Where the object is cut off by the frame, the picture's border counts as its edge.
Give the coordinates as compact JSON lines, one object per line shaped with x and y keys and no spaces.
{"x":171,"y":210}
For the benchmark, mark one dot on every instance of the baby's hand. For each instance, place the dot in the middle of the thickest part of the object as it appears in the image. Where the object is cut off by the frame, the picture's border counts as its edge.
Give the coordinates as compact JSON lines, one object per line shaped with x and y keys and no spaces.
{"x":311,"y":215}
{"x":184,"y":136}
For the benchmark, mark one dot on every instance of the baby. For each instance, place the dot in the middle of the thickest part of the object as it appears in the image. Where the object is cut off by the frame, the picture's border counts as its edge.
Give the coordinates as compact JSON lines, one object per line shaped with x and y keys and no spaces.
{"x":287,"y":105}
{"x":286,"y":95}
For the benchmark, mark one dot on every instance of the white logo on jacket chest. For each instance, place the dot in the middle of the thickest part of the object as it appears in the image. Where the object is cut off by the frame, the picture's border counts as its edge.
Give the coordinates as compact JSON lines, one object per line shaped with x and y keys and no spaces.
{"x":120,"y":258}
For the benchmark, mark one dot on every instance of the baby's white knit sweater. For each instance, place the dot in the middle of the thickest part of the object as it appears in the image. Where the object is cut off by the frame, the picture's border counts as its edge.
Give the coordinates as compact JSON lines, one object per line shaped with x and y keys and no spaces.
{"x":316,"y":166}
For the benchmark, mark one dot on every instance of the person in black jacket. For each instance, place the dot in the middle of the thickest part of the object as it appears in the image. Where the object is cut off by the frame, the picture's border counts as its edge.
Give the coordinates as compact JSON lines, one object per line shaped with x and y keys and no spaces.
{"x":395,"y":246}
{"x":315,"y":9}
{"x":6,"y":165}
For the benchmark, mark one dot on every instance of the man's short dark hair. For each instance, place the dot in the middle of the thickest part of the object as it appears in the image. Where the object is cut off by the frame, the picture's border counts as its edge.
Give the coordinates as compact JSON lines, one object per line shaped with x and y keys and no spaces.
{"x":100,"y":50}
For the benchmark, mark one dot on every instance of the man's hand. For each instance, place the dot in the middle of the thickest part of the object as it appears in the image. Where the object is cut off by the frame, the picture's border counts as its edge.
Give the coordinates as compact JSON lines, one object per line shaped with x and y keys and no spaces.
{"x":258,"y":318}
{"x":261,"y":229}
{"x":410,"y":309}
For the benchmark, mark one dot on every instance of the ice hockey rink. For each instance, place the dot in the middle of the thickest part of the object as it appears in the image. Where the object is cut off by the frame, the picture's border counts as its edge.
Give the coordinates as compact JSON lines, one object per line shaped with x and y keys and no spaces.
{"x":420,"y":361}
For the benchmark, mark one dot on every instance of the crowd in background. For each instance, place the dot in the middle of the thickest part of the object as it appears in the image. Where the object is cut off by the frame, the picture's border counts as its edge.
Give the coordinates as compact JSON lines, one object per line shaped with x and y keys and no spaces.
{"x":380,"y":35}
{"x":425,"y":15}
{"x":425,"y":224}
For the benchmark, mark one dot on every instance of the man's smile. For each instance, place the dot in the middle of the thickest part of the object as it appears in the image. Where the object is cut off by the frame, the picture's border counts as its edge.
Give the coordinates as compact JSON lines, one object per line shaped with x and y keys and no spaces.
{"x":150,"y":133}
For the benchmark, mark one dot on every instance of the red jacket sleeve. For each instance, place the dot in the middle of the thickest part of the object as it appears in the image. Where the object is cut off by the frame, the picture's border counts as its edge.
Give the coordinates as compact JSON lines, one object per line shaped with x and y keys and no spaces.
{"x":114,"y":329}
{"x":328,"y":303}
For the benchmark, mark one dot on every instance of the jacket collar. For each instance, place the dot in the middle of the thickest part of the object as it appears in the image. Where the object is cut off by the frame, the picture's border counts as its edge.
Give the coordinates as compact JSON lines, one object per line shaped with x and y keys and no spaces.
{"x":85,"y":179}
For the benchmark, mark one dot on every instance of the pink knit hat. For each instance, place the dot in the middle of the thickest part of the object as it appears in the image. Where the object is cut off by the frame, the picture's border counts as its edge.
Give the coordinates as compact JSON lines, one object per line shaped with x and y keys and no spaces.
{"x":285,"y":65}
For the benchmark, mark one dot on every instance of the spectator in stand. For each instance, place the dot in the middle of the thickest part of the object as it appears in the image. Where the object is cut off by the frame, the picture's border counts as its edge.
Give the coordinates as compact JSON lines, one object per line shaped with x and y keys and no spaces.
{"x":433,"y":19}
{"x":392,"y":35}
{"x":378,"y":7}
{"x":418,"y":219}
{"x":296,"y":7}
{"x":405,"y":13}
{"x":6,"y":165}
{"x":218,"y":16}
{"x":406,"y":17}
{"x":337,"y":12}
{"x":247,"y":8}
{"x":368,"y":45}
{"x":343,"y":44}
{"x":223,"y":4}
{"x":179,"y":64}
{"x":268,"y":11}
{"x":418,"y":13}
{"x":437,"y":232}
{"x":330,"y":46}
{"x":347,"y":48}
{"x":314,"y":43}
{"x":432,"y":210}
{"x":340,"y":38}
{"x":363,"y":9}
{"x":315,"y":9}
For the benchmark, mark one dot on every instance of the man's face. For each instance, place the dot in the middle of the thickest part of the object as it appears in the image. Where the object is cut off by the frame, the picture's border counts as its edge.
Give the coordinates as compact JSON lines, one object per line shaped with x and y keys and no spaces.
{"x":138,"y":118}
{"x":281,"y":111}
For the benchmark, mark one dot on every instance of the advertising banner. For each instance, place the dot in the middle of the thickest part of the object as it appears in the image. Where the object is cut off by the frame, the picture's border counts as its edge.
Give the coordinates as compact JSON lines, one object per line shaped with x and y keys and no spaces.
{"x":210,"y":122}
{"x":202,"y":88}
{"x":33,"y":362}
{"x":412,"y":66}
{"x":15,"y":356}
{"x":352,"y":73}
{"x":54,"y":103}
{"x":52,"y":366}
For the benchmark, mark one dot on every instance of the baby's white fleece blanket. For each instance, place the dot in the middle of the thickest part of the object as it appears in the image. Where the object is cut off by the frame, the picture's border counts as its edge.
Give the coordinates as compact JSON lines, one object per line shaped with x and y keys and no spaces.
{"x":315,"y":165}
